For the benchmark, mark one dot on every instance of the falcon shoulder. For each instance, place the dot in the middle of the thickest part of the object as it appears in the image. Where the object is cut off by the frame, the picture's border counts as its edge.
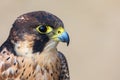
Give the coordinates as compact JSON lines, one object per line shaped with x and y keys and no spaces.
{"x":64,"y":73}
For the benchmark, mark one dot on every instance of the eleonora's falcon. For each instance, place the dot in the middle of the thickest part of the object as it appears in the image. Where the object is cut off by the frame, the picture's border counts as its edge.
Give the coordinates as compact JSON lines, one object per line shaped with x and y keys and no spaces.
{"x":30,"y":52}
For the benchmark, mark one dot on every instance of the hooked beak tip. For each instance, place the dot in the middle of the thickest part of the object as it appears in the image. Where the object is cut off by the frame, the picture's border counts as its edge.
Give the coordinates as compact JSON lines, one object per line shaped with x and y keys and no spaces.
{"x":64,"y":37}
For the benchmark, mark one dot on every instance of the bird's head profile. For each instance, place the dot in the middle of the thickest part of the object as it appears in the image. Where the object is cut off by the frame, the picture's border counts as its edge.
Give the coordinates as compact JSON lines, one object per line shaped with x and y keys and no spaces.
{"x":35,"y":31}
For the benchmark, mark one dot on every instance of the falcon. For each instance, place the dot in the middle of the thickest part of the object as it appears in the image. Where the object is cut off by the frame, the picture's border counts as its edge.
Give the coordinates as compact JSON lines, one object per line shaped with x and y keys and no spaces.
{"x":30,"y":51}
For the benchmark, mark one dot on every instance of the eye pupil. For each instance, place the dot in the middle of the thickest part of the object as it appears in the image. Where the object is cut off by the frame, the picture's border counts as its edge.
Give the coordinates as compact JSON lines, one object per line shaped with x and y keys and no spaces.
{"x":43,"y":28}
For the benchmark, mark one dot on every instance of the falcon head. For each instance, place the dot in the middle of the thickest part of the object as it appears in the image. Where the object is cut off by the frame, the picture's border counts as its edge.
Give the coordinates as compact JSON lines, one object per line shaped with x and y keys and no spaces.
{"x":33,"y":32}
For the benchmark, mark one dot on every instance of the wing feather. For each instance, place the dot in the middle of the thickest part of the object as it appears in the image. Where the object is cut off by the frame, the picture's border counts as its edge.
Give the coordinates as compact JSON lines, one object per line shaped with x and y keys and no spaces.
{"x":64,"y":73}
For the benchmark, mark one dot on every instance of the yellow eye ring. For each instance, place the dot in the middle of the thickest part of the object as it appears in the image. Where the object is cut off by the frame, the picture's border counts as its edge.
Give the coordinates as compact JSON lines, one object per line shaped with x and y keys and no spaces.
{"x":44,"y":29}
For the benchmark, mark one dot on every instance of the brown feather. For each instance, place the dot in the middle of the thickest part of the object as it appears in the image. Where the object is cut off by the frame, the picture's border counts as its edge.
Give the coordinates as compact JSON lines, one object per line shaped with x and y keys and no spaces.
{"x":28,"y":54}
{"x":44,"y":66}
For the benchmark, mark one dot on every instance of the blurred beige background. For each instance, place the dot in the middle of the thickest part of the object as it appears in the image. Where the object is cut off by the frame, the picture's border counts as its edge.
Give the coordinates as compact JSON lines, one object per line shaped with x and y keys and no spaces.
{"x":94,"y":28}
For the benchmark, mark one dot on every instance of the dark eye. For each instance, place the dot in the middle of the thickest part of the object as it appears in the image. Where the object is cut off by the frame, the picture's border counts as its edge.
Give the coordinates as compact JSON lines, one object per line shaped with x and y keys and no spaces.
{"x":43,"y":28}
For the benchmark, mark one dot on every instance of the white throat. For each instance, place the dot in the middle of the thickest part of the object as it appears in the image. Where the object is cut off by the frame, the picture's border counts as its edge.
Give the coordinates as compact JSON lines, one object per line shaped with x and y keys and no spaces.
{"x":50,"y":45}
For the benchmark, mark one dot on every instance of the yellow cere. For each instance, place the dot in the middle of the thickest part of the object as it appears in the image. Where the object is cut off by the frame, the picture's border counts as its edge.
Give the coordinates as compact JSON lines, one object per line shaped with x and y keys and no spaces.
{"x":58,"y":32}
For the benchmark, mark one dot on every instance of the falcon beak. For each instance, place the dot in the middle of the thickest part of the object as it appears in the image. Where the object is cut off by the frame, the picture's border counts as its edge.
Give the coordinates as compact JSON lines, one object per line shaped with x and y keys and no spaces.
{"x":61,"y":35}
{"x":64,"y":37}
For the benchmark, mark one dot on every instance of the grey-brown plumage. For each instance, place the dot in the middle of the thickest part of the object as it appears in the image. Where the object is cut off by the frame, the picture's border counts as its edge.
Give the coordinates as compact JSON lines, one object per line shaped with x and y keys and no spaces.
{"x":30,"y":51}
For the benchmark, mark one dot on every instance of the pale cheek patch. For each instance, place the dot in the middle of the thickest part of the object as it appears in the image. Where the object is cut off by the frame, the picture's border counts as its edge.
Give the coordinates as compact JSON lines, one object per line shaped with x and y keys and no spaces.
{"x":23,"y":48}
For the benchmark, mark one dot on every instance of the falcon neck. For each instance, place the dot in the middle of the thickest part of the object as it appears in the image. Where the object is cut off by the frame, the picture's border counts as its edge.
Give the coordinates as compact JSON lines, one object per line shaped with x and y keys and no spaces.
{"x":25,"y":48}
{"x":51,"y":45}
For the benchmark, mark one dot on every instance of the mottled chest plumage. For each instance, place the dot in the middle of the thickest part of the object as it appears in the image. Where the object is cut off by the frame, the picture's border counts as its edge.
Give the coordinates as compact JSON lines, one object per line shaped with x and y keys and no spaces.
{"x":39,"y":67}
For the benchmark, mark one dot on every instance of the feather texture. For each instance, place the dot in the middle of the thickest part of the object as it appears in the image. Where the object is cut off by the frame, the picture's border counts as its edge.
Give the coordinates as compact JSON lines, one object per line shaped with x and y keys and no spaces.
{"x":39,"y":67}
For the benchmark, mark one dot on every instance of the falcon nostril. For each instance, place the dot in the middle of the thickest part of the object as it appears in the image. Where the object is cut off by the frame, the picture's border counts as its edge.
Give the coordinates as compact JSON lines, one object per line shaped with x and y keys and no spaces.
{"x":59,"y":32}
